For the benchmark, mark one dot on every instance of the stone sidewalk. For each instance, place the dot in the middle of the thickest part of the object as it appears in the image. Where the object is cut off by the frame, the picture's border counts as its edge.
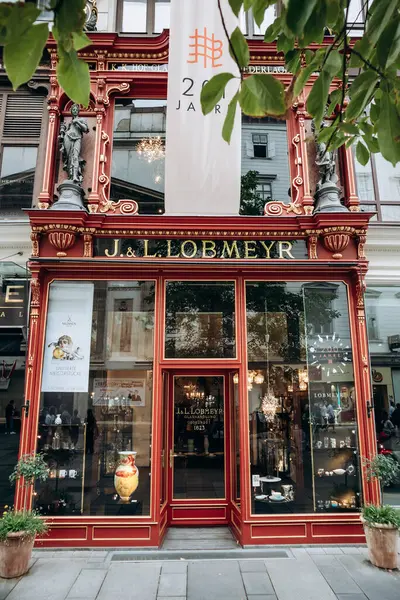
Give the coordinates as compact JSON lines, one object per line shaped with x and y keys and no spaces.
{"x":300,"y":573}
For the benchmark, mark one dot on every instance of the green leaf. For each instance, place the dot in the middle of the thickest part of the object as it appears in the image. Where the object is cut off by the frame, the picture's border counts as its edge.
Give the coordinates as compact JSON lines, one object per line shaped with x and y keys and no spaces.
{"x":360,"y":92}
{"x":247,"y":4}
{"x":81,"y":40}
{"x":73,"y":76}
{"x":362,"y":154}
{"x":22,"y":57}
{"x":284,"y":43}
{"x":389,"y":128}
{"x":334,"y":63}
{"x":236,"y":5}
{"x":298,"y":13}
{"x":240,"y":47}
{"x":363,"y":48}
{"x":332,"y":12}
{"x":230,"y":118}
{"x":350,"y":141}
{"x":213,"y":90}
{"x":381,"y":14}
{"x":388,"y":47}
{"x":307,"y":72}
{"x":335,"y":98}
{"x":316,"y":101}
{"x":262,"y":95}
{"x":69,"y":16}
{"x":349,"y":128}
{"x":314,"y":29}
{"x":16,"y":20}
{"x":259,"y":7}
{"x":292,"y":60}
{"x":272,"y":31}
{"x":372,"y":143}
{"x":325,"y":134}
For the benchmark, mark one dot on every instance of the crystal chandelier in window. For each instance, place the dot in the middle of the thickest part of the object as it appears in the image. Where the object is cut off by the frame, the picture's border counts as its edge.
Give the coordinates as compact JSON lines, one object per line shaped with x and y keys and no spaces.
{"x":151,"y":149}
{"x":269,"y":406}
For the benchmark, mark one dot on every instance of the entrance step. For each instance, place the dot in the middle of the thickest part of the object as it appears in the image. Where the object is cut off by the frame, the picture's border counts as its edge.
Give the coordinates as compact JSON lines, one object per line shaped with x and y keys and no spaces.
{"x":199,"y":538}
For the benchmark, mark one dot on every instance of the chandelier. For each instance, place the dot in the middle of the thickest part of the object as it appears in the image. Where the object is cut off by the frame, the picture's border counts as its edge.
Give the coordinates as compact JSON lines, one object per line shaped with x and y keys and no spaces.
{"x":193,"y":393}
{"x":151,"y":149}
{"x":303,"y":379}
{"x":269,"y":406}
{"x":255,"y":377}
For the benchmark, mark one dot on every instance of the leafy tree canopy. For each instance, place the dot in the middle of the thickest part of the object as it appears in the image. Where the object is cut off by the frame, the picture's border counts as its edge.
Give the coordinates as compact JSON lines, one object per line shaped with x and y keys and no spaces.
{"x":24,"y":40}
{"x":363,"y":107}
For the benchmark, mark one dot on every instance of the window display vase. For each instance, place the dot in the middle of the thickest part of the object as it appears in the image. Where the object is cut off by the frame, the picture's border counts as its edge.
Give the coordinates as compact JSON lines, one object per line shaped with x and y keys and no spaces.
{"x":126,"y":478}
{"x":58,"y":420}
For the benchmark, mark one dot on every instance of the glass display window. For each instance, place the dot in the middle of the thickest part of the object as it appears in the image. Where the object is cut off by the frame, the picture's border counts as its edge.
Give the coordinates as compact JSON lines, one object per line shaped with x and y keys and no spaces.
{"x":96,"y":402}
{"x":302,"y":410}
{"x":200,"y":319}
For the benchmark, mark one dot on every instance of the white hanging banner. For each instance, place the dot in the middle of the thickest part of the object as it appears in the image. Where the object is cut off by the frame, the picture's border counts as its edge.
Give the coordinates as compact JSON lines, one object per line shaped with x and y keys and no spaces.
{"x":202,"y":172}
{"x":68,"y":338}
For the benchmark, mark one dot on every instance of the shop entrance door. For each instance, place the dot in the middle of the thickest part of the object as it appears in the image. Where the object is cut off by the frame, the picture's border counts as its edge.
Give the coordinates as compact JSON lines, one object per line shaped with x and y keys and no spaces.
{"x":198,"y":474}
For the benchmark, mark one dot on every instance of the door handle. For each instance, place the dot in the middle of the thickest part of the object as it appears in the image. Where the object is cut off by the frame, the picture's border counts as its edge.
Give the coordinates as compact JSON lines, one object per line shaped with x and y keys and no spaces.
{"x":171,"y":458}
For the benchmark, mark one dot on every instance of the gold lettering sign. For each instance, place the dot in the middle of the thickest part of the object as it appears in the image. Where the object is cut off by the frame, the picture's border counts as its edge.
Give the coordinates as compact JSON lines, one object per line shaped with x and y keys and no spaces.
{"x":196,"y":249}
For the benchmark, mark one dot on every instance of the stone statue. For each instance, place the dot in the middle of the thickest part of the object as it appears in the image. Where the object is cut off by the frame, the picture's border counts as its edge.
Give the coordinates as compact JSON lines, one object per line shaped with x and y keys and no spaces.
{"x":327,"y":194}
{"x":71,"y":143}
{"x":326,"y":162}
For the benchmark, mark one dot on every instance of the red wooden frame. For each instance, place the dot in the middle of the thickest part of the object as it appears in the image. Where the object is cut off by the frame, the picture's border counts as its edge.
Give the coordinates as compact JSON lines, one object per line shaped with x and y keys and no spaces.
{"x":54,"y":231}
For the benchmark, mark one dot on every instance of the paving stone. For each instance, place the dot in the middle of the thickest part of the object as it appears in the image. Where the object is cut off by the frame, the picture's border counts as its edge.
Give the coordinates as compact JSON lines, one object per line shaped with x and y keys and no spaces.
{"x":218,"y":579}
{"x":324,"y":559}
{"x":299,"y":579}
{"x":6,"y":586}
{"x":352,"y":597}
{"x":333,"y":550}
{"x":131,"y":581}
{"x":47,"y":580}
{"x":252,"y":566}
{"x":375,"y":583}
{"x":83,"y":553}
{"x":87,"y":585}
{"x":350,"y":550}
{"x":315,"y":550}
{"x":171,"y":597}
{"x":172,"y":584}
{"x":263,"y":597}
{"x":199,"y":544}
{"x":257,"y":584}
{"x":175,"y":566}
{"x":339,"y":579}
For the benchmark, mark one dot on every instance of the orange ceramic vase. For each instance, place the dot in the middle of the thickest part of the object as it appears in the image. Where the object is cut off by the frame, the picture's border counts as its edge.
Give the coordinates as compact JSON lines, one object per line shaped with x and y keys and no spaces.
{"x":126,"y":479}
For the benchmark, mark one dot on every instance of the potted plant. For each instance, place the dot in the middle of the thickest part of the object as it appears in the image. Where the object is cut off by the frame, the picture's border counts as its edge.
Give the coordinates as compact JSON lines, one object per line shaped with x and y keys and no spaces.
{"x":18,"y":528}
{"x":382,"y":522}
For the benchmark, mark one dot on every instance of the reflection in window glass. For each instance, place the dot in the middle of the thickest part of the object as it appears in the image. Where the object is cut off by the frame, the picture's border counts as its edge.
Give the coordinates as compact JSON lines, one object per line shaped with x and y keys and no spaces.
{"x":89,"y":437}
{"x":199,"y":434}
{"x":17,"y":177}
{"x":388,"y":180}
{"x":134,"y":16}
{"x":265,"y":152}
{"x":383,"y":318}
{"x":303,"y":440}
{"x":138,"y":156}
{"x":364,"y":180}
{"x":200,"y":320}
{"x":161,"y":15}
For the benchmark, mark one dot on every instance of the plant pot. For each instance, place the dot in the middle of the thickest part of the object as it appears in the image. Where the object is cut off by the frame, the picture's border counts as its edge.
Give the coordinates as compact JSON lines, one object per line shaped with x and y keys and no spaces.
{"x":126,"y":479}
{"x":382,"y":544}
{"x":15,"y":554}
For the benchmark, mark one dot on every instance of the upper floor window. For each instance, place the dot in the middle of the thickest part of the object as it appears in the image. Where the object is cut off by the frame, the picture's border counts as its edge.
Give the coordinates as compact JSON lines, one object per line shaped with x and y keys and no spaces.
{"x":144,"y":16}
{"x":20,"y":129}
{"x":378,"y":187}
{"x":139,"y":153}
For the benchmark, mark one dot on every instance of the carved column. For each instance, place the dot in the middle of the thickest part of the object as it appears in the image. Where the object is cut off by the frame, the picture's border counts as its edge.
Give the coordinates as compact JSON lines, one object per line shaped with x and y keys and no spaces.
{"x":93,"y":197}
{"x":349,"y":177}
{"x":365,"y":415}
{"x":32,"y":376}
{"x":301,"y":114}
{"x":46,"y":195}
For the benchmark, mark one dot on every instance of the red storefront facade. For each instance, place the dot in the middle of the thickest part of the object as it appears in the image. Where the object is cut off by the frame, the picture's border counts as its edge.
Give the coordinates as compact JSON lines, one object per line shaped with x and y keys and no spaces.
{"x":276,"y":273}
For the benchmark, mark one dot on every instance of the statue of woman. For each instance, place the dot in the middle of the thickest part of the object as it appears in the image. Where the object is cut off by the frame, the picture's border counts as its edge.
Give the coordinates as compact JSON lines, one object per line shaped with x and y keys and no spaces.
{"x":71,"y":143}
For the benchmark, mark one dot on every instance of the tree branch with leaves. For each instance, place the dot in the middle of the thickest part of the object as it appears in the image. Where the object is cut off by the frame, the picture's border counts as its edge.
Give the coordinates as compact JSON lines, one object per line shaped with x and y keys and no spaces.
{"x":364,"y":109}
